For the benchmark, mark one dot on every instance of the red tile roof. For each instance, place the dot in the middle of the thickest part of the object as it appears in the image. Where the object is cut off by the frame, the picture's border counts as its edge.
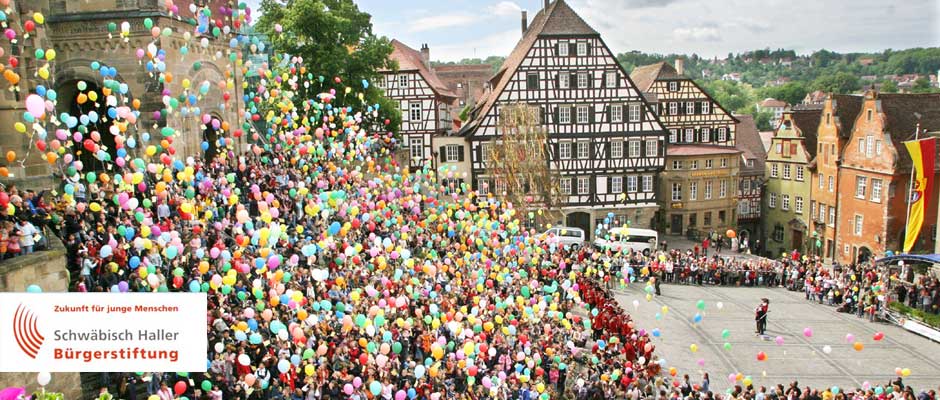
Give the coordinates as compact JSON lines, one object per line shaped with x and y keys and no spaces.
{"x":411,"y":60}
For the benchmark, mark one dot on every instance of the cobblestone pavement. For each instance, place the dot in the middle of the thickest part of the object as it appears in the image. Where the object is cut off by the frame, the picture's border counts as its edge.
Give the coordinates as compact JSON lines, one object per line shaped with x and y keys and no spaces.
{"x":799,"y":358}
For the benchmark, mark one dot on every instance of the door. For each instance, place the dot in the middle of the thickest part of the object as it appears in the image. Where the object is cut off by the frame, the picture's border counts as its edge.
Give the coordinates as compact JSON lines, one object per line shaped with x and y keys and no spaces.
{"x":580,"y":220}
{"x":676,"y":224}
{"x":797,"y":240}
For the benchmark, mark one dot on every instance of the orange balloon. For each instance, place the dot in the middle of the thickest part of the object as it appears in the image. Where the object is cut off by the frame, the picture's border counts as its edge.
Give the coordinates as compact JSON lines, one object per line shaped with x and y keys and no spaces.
{"x":858,"y":346}
{"x":11,"y":156}
{"x":4,"y":172}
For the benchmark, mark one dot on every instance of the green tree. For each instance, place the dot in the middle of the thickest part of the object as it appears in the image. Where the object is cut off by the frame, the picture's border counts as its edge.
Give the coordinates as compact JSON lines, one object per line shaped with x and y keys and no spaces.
{"x":733,"y":96}
{"x":840,"y":82}
{"x":922,"y":85}
{"x":889,"y":86}
{"x":762,"y":119}
{"x":336,"y":40}
{"x":790,"y":92}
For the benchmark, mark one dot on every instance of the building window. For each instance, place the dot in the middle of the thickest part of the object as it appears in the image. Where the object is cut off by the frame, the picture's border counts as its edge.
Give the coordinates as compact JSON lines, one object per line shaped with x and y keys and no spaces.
{"x":822,"y":182}
{"x":415,"y":108}
{"x":706,"y":107}
{"x":616,"y":184}
{"x":676,"y":191}
{"x":402,"y":81}
{"x":483,"y":186}
{"x":689,"y":135}
{"x":485,"y":152}
{"x":708,"y":218}
{"x":565,"y":185}
{"x":786,"y":171}
{"x":832,"y":184}
{"x":832,"y":216}
{"x":583,"y":80}
{"x":690,"y":107}
{"x":584,"y":186}
{"x":785,"y":202}
{"x":693,"y":220}
{"x":651,"y":150}
{"x":724,"y":162}
{"x":876,"y":190}
{"x":647,"y":183}
{"x":500,"y":186}
{"x":673,"y":86}
{"x":632,"y":184}
{"x":634,"y":112}
{"x":722,"y":134}
{"x":708,"y":190}
{"x":564,"y":115}
{"x":706,"y":135}
{"x":798,"y":205}
{"x":616,"y":149}
{"x":610,"y":79}
{"x":673,"y":135}
{"x":693,"y":191}
{"x":778,"y":233}
{"x":858,"y":224}
{"x":869,"y":115}
{"x":676,"y":164}
{"x":584,"y":149}
{"x":722,"y":189}
{"x":822,"y":212}
{"x":416,"y":146}
{"x":877,"y":147}
{"x":564,"y":150}
{"x":616,"y":113}
{"x":774,"y":172}
{"x":869,"y":146}
{"x":563,"y":49}
{"x":799,"y":173}
{"x":860,"y":185}
{"x":746,"y":185}
{"x":563,"y":80}
{"x":582,"y":49}
{"x":673,"y":108}
{"x":634,"y":149}
{"x":861,"y":145}
{"x":772,"y":200}
{"x":693,"y":164}
{"x":722,"y":215}
{"x":532,"y":81}
{"x":709,"y":163}
{"x":451,"y":153}
{"x":744,"y":207}
{"x":583,"y":115}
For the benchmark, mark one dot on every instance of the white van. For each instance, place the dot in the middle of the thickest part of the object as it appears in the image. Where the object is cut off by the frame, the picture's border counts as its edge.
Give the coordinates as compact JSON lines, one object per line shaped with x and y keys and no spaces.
{"x":626,"y":239}
{"x":566,"y":236}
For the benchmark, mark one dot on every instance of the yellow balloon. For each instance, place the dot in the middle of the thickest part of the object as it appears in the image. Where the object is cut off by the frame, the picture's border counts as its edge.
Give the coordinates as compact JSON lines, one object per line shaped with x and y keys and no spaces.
{"x":94,"y":207}
{"x":44,"y":72}
{"x":39,"y":18}
{"x":50,"y":55}
{"x":20,"y":127}
{"x":309,"y":370}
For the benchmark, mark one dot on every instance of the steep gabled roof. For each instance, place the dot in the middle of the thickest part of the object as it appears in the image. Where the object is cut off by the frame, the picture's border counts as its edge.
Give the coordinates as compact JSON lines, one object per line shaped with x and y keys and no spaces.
{"x":847,"y":107}
{"x":748,"y":140}
{"x":645,"y":76}
{"x":902,"y":111}
{"x":773,"y":103}
{"x":556,"y":19}
{"x":807,"y":121}
{"x":411,"y":60}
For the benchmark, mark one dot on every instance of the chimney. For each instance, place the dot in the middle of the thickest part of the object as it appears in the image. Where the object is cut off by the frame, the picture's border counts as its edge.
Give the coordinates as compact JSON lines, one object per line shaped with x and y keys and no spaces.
{"x":426,"y":55}
{"x":680,"y":66}
{"x":525,"y":21}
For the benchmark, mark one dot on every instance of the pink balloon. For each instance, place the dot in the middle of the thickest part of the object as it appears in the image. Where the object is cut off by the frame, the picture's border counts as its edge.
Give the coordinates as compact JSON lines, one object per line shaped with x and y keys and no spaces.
{"x":36,"y":105}
{"x":348,"y":389}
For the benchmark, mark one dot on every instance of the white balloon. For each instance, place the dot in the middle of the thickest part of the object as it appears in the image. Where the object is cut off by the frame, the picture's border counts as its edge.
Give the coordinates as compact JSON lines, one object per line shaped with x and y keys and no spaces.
{"x":244,"y":360}
{"x":720,"y":305}
{"x":827,"y":349}
{"x":43,"y":378}
{"x":219,"y":347}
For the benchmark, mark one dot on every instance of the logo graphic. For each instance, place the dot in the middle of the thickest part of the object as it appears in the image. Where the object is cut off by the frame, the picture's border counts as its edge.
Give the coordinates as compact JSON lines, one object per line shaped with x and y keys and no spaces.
{"x":27,"y":335}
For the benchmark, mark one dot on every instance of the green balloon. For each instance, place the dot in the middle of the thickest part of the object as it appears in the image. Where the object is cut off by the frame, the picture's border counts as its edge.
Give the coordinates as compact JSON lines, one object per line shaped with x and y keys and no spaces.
{"x":206,"y":385}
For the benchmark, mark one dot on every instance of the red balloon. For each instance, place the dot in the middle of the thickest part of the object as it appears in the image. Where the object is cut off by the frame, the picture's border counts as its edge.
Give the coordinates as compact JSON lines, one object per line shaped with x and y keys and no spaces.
{"x":4,"y":199}
{"x":879,"y":336}
{"x":29,"y":26}
{"x":179,"y":388}
{"x":363,"y":358}
{"x":14,"y":62}
{"x":89,"y":145}
{"x":177,"y":282}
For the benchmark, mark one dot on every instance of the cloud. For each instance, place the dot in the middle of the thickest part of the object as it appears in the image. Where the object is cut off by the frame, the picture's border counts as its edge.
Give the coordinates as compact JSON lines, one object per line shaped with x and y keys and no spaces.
{"x":697,"y":34}
{"x":499,"y":43}
{"x":647,"y":3}
{"x":442,"y":21}
{"x":505,"y":8}
{"x":751,"y":24}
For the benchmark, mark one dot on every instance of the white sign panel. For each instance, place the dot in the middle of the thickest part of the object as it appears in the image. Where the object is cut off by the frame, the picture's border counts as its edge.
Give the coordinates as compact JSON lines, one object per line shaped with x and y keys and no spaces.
{"x":107,"y":332}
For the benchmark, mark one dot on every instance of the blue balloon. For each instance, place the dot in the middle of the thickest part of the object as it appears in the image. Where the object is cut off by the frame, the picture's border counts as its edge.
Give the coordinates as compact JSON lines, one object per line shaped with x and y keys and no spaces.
{"x":255,"y":338}
{"x":33,"y":289}
{"x":240,"y":336}
{"x":194,"y":286}
{"x":134,"y":262}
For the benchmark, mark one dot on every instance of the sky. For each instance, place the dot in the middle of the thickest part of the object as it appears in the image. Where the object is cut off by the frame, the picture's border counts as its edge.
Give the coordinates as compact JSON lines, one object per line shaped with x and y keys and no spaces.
{"x":457,"y":29}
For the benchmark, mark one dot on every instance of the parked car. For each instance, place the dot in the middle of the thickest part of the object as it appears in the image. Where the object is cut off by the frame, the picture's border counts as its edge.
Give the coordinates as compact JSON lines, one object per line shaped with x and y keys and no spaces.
{"x":566,"y":236}
{"x":628,"y":239}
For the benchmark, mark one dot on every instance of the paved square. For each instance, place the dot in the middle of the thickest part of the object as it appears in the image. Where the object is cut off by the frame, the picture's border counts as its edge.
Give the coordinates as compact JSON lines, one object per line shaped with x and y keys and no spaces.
{"x":798,"y":358}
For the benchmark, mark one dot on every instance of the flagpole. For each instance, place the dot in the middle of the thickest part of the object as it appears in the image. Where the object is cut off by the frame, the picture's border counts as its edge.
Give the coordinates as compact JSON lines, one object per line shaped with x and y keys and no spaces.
{"x":910,"y":191}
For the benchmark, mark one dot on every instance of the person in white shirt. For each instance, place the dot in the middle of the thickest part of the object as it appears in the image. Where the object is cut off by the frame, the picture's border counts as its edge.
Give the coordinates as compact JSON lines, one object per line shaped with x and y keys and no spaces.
{"x":26,"y":231}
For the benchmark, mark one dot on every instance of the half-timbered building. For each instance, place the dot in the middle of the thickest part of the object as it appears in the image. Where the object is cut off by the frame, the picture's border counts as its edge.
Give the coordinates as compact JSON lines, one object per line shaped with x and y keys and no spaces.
{"x":424,"y":100}
{"x":605,"y":142}
{"x":698,"y":189}
{"x":750,"y":181}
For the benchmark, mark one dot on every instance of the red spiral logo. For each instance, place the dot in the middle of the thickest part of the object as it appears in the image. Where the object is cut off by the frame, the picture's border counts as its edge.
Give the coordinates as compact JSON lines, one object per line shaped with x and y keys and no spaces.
{"x":25,"y":332}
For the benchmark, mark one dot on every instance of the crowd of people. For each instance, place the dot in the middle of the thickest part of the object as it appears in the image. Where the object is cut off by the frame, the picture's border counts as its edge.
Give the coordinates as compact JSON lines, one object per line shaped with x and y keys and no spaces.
{"x":22,"y":222}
